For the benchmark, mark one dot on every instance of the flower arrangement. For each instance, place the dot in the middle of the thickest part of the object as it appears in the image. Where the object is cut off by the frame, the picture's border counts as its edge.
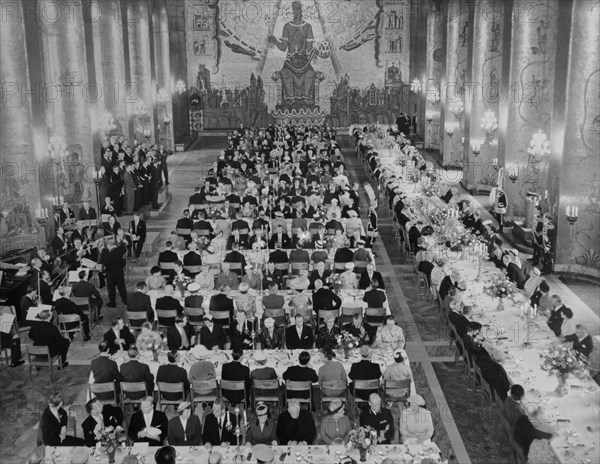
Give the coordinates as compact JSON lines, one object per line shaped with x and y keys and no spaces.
{"x":362,"y":438}
{"x":112,"y":437}
{"x":335,"y":282}
{"x":561,"y":359}
{"x":149,"y":341}
{"x":347,"y":341}
{"x":181,"y":282}
{"x":414,"y":176}
{"x":500,"y":287}
{"x":430,"y":189}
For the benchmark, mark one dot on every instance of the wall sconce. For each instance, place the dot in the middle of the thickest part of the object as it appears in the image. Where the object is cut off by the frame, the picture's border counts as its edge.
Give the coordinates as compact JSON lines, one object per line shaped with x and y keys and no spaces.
{"x":572,"y":214}
{"x":429,"y":117}
{"x":476,"y":148}
{"x":433,"y":95}
{"x":163,"y":97}
{"x":415,"y":86}
{"x":450,"y":131}
{"x":457,"y":108}
{"x":495,"y":164}
{"x":513,"y":174}
{"x":57,"y":149}
{"x":140,"y":109}
{"x":167,"y":119}
{"x":489,"y":125}
{"x":180,"y":86}
{"x":462,"y":140}
{"x":539,"y":145}
{"x":147,"y":133}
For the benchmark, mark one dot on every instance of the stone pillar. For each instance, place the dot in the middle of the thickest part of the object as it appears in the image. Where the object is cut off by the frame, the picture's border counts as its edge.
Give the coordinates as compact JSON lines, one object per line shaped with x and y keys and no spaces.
{"x":19,"y":168}
{"x":68,"y":94}
{"x":530,"y":98}
{"x":452,"y":94}
{"x":105,"y":20}
{"x":483,"y":94}
{"x":140,"y":63}
{"x":433,"y":79}
{"x":162,"y":60}
{"x":579,"y":170}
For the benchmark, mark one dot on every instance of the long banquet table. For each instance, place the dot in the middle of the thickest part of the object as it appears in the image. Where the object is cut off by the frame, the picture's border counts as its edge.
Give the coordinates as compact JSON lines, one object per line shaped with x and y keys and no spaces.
{"x":575,"y":416}
{"x":333,"y":454}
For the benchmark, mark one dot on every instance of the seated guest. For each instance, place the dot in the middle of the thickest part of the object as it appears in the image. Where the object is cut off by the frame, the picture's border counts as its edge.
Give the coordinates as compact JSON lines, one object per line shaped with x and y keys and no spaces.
{"x":85,"y":289}
{"x":236,"y":371}
{"x":221,"y":301}
{"x":582,"y":340}
{"x":168,"y":301}
{"x":212,"y":335}
{"x":327,"y":337}
{"x":202,"y":369}
{"x":318,"y":273}
{"x":335,"y":426}
{"x":271,"y":337}
{"x":364,"y":369}
{"x":324,"y":298}
{"x":44,"y":333}
{"x":105,"y":370}
{"x":452,"y":299}
{"x":263,"y":429}
{"x":378,"y":418}
{"x":263,"y":372}
{"x":164,"y":455}
{"x":184,"y":429}
{"x":11,"y":340}
{"x":361,"y":330}
{"x":156,"y":281}
{"x":246,"y":301}
{"x":541,"y":298}
{"x":100,"y":416}
{"x":416,"y":425}
{"x":193,"y":300}
{"x":533,"y":281}
{"x":135,"y":371}
{"x":389,"y":336}
{"x":272,"y":275}
{"x":331,"y":370}
{"x":172,"y":373}
{"x":139,"y":301}
{"x":53,"y":424}
{"x":227,"y":278}
{"x":299,"y":336}
{"x":191,"y":259}
{"x":242,"y":333}
{"x":119,"y":337}
{"x":296,"y":426}
{"x":148,"y":424}
{"x":559,"y":315}
{"x":374,"y":297}
{"x":181,"y":335}
{"x":513,"y":409}
{"x":273,"y":300}
{"x":167,"y":256}
{"x":64,"y":306}
{"x":529,"y":430}
{"x":367,"y":277}
{"x":448,"y":282}
{"x":205,"y":279}
{"x":300,"y":373}
{"x":515,"y":269}
{"x":219,"y":426}
{"x":460,"y":319}
{"x":398,"y":371}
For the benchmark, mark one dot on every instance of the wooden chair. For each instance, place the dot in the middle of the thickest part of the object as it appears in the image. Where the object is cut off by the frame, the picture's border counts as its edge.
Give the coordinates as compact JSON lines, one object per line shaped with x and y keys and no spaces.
{"x":361,"y":385}
{"x":333,"y":387}
{"x":486,"y":390}
{"x":395,"y":385}
{"x":295,"y":386}
{"x":194,"y":316}
{"x":205,"y":391}
{"x":88,"y":308}
{"x":339,"y":267}
{"x":182,"y":232}
{"x":233,"y":386}
{"x":375,"y":316}
{"x":360,"y":266}
{"x":168,"y":387}
{"x":277,"y":314}
{"x":283,"y":267}
{"x":164,"y":316}
{"x":193,"y":269}
{"x":223,"y":318}
{"x":203,"y":232}
{"x":64,"y":319}
{"x":135,"y":389}
{"x":348,"y":312}
{"x":39,"y":356}
{"x":166,"y":268}
{"x":328,"y":314}
{"x":100,"y":392}
{"x":136,"y":318}
{"x":261,"y":390}
{"x":297,"y":267}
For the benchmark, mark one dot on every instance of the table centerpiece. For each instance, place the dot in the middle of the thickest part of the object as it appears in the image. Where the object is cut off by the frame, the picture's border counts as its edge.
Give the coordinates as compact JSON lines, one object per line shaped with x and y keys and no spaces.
{"x":562,"y":360}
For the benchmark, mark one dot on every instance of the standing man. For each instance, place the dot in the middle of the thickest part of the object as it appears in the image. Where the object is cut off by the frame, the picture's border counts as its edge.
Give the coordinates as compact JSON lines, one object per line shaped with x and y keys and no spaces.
{"x":137,"y":229}
{"x":154,"y":183}
{"x":372,"y":225}
{"x":111,"y":260}
{"x":163,"y":155}
{"x":129,"y":187}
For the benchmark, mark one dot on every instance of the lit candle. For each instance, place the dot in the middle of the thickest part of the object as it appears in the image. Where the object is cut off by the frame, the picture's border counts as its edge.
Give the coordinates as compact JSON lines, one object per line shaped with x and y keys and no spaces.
{"x":245,"y":417}
{"x":45,"y":212}
{"x":576,"y":211}
{"x":37,"y":213}
{"x":546,"y":195}
{"x":521,"y":307}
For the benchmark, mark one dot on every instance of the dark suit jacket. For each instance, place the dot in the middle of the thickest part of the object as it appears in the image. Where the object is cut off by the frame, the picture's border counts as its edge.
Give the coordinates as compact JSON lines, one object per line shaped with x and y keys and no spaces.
{"x":111,"y":338}
{"x":459,"y":321}
{"x":174,"y":337}
{"x":242,"y":241}
{"x":584,"y":346}
{"x":234,"y":370}
{"x":300,"y":429}
{"x":379,"y":422}
{"x":365,"y":370}
{"x":374,"y":298}
{"x":191,"y":436}
{"x":365,"y":281}
{"x":105,"y":370}
{"x":135,"y":371}
{"x":44,"y":333}
{"x":85,"y":216}
{"x":84,"y":289}
{"x":50,"y":426}
{"x":216,"y":436}
{"x":215,"y":338}
{"x":516,"y":274}
{"x":112,"y":416}
{"x":172,"y":373}
{"x":293,"y":342}
{"x":343,"y":255}
{"x":278,"y":257}
{"x":300,"y":374}
{"x":138,"y":301}
{"x":137,"y":424}
{"x":445,"y":286}
{"x":221,"y":302}
{"x":284,"y":239}
{"x":266,"y":436}
{"x":140,"y":230}
{"x":66,"y":306}
{"x":325,"y":298}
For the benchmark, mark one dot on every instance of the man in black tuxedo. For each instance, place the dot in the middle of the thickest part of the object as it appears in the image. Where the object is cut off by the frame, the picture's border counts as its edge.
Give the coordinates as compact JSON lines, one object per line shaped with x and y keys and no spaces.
{"x":139,"y":301}
{"x":53,"y":424}
{"x":168,"y":256}
{"x":446,"y":283}
{"x":374,"y":297}
{"x":154,"y":183}
{"x":364,"y":369}
{"x":203,"y":224}
{"x":111,"y":260}
{"x":459,"y":320}
{"x":147,"y":417}
{"x":299,"y":336}
{"x":301,"y":373}
{"x":212,"y":335}
{"x":360,"y":329}
{"x":44,"y":333}
{"x":239,"y":240}
{"x":378,"y":418}
{"x":137,"y":229}
{"x":64,"y":306}
{"x":236,"y":371}
{"x":515,"y":270}
{"x":582,"y":340}
{"x":279,"y":237}
{"x":272,"y":275}
{"x":278,"y":256}
{"x":87,"y":213}
{"x":196,"y":198}
{"x":172,"y":373}
{"x":168,"y":302}
{"x":136,"y":371}
{"x":181,"y":335}
{"x":234,"y":256}
{"x":369,"y":275}
{"x":85,"y":289}
{"x":219,"y":426}
{"x":105,"y":370}
{"x":343,"y":255}
{"x":119,"y":337}
{"x":319,"y":273}
{"x":324,"y":298}
{"x":558,"y":314}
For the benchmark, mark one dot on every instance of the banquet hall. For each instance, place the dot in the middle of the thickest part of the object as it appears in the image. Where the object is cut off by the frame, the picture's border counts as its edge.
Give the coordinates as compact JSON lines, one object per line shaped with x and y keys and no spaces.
{"x":300,"y":231}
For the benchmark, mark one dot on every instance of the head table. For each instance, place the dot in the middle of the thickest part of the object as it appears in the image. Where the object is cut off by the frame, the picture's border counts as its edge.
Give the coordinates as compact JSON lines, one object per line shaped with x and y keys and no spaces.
{"x":401,"y":454}
{"x":576,"y":416}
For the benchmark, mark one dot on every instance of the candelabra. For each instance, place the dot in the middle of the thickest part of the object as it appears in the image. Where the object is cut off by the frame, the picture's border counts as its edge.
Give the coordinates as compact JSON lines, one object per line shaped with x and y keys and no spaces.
{"x":513,"y":174}
{"x":180,"y":86}
{"x":450,"y":131}
{"x":495,"y":164}
{"x":41,"y":216}
{"x":572,"y":216}
{"x":489,"y":125}
{"x":97,"y":182}
{"x":476,"y":149}
{"x":528,"y":313}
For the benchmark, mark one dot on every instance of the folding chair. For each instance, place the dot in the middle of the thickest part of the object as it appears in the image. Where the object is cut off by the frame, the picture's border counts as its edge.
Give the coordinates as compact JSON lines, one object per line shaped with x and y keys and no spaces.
{"x":265,"y":390}
{"x":391,"y":386}
{"x":135,"y":319}
{"x":330,"y":391}
{"x":233,"y":386}
{"x":205,"y":391}
{"x":375,"y":316}
{"x":101,"y":392}
{"x":39,"y":356}
{"x":195,"y":317}
{"x":193,"y":269}
{"x":64,"y":319}
{"x":223,"y":318}
{"x":349,"y":310}
{"x":166,"y":318}
{"x":175,"y":388}
{"x":299,"y":387}
{"x":364,"y":385}
{"x":133,"y":393}
{"x":297,"y":267}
